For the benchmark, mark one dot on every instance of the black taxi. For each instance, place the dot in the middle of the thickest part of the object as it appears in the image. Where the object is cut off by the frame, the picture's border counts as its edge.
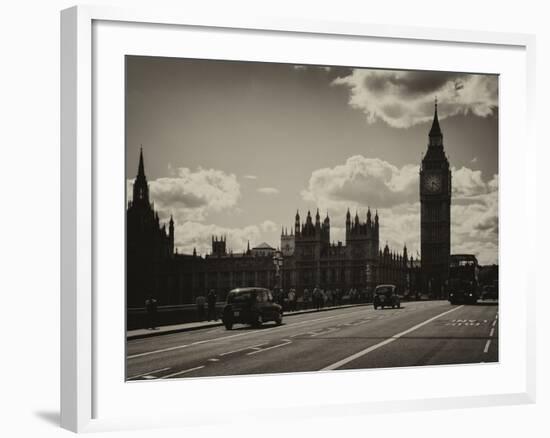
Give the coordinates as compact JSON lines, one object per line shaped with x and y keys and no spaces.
{"x":385,"y":295}
{"x":251,"y":305}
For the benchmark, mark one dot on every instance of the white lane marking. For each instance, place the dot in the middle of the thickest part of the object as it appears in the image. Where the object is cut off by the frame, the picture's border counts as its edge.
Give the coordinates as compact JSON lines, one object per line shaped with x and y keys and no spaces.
{"x":270,"y":348}
{"x":385,"y":342}
{"x":492,"y":332}
{"x":242,"y":349}
{"x":494,"y":322}
{"x":181,"y":372}
{"x":178,"y":347}
{"x":486,"y":349}
{"x":148,"y":373}
{"x":214,"y":359}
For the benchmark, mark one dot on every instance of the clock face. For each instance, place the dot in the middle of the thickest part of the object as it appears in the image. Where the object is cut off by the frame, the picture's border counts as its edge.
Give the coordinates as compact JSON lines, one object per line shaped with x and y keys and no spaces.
{"x":432,"y":183}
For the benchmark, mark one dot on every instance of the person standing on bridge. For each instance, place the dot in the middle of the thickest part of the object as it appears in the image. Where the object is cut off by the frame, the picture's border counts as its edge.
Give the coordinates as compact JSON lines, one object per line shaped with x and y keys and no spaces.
{"x":200,"y":302}
{"x":317,"y":297}
{"x":212,"y":305}
{"x":151,"y":309}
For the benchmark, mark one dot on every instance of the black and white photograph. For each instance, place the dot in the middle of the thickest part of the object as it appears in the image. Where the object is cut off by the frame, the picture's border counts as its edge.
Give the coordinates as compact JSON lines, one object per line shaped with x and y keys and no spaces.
{"x":287,"y":218}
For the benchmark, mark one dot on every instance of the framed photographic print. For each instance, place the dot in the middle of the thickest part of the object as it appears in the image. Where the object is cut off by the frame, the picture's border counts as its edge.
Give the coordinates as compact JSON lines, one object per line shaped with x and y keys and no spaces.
{"x":250,"y":206}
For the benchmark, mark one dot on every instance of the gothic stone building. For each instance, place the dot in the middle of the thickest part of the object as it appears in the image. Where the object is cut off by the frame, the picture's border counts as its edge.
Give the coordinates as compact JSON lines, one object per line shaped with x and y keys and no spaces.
{"x":309,"y":258}
{"x":149,"y":246}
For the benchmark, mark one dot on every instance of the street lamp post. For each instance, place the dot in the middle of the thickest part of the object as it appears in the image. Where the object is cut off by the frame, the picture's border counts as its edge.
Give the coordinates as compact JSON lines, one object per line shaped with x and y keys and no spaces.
{"x":278,"y":262}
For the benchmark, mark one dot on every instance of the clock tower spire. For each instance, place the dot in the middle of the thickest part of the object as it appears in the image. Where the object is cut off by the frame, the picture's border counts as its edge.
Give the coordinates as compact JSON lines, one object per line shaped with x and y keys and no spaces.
{"x":435,"y":213}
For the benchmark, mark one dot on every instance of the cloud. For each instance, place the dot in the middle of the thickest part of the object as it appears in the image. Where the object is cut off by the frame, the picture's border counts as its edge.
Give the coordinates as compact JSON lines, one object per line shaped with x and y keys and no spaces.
{"x":190,"y":234}
{"x":361,"y":182}
{"x":268,"y":226}
{"x":405,"y":98}
{"x":268,"y":190}
{"x":467,"y":183}
{"x":250,"y":177}
{"x":330,"y":72}
{"x":192,"y":195}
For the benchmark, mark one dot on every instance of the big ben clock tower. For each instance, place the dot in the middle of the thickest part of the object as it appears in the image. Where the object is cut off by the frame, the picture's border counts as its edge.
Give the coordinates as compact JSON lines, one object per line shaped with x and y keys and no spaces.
{"x":435,"y":214}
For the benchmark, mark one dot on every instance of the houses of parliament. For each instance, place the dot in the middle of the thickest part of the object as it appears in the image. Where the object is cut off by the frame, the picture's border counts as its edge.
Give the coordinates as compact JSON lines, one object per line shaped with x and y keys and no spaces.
{"x":308,"y":257}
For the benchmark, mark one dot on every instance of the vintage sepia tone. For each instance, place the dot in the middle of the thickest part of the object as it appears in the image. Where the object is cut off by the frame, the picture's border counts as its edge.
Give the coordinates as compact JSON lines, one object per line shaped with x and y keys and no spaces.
{"x":296,"y":218}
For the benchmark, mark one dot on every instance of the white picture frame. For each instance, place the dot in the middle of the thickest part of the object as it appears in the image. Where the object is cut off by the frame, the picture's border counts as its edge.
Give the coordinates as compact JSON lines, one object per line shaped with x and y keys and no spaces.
{"x":85,"y":373}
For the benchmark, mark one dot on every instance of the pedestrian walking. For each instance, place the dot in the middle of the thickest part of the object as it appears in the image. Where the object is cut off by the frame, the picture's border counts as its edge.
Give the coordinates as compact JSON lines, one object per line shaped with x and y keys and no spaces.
{"x":201,"y":303}
{"x":151,"y":309}
{"x":212,"y":305}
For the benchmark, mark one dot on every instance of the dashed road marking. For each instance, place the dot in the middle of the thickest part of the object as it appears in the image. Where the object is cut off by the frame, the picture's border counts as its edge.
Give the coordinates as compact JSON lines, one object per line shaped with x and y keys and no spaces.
{"x":179,"y":373}
{"x":492,"y":332}
{"x":250,"y":347}
{"x":286,"y":326}
{"x":486,"y":349}
{"x":148,"y":373}
{"x":329,"y":330}
{"x":270,"y":348}
{"x":361,"y":353}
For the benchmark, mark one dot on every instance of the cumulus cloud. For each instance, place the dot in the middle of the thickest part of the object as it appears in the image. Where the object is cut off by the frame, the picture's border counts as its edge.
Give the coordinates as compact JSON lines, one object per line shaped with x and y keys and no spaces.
{"x":405,"y":98}
{"x":192,"y":195}
{"x":268,"y":190}
{"x":361,"y":182}
{"x":268,"y":226}
{"x":250,"y":177}
{"x":190,"y":234}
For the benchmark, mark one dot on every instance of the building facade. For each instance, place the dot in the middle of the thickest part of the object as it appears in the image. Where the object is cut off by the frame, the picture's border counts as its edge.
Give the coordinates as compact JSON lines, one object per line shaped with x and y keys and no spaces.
{"x":309,"y":258}
{"x":435,"y":213}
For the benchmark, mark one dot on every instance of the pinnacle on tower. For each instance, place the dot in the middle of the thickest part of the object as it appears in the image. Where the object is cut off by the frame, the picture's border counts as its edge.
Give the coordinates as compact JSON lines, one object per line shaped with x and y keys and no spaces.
{"x":141,"y":167}
{"x":435,"y":131}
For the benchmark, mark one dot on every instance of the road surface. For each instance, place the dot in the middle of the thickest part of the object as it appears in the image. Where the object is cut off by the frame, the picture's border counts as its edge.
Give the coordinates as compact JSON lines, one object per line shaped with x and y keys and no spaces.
{"x":420,"y":333}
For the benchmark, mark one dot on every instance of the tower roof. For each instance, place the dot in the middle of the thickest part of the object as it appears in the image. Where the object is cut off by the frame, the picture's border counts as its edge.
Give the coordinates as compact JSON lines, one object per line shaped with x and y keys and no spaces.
{"x":436,"y":129}
{"x":141,"y":167}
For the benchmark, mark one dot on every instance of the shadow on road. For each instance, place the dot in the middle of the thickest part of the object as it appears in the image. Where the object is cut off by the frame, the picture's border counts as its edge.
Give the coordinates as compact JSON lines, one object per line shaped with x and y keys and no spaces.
{"x":389,"y":308}
{"x":245,"y":327}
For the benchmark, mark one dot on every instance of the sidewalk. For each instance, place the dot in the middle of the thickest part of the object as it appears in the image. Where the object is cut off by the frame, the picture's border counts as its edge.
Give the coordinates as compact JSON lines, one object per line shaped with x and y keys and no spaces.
{"x":177,"y":328}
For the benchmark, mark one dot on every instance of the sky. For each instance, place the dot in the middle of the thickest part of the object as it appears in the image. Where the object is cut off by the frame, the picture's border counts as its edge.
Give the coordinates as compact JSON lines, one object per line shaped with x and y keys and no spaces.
{"x":236,"y":148}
